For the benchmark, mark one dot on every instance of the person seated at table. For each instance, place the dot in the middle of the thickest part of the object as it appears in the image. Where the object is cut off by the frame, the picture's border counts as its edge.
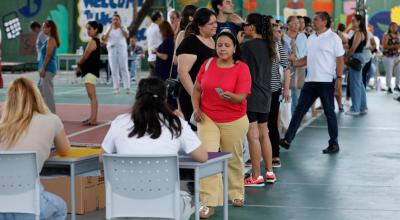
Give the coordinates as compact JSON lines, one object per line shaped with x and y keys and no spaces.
{"x":26,"y":124}
{"x":152,"y":128}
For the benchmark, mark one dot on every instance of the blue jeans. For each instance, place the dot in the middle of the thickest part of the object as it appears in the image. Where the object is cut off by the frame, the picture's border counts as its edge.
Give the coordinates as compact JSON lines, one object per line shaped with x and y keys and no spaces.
{"x":310,"y":92}
{"x":51,"y":207}
{"x":357,"y":89}
{"x":295,"y":93}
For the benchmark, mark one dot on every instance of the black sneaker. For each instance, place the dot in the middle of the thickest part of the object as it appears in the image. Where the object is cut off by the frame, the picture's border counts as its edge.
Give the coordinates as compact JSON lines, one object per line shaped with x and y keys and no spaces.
{"x":390,"y":91}
{"x":284,"y":143}
{"x":331,"y":149}
{"x":396,"y":88}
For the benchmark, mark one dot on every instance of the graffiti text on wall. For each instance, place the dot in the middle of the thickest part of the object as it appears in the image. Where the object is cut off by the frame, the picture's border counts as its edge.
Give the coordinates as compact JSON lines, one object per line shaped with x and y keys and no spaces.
{"x":102,"y":11}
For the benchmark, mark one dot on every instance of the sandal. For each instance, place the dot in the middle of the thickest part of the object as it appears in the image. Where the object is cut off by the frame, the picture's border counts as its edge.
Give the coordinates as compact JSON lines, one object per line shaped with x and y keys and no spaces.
{"x":89,"y":123}
{"x":85,"y":121}
{"x":206,"y":212}
{"x":238,"y":202}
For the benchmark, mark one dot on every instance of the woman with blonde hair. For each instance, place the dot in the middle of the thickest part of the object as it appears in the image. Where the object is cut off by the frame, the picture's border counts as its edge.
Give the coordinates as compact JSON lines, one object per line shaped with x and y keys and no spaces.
{"x":26,"y":124}
{"x":48,"y":63}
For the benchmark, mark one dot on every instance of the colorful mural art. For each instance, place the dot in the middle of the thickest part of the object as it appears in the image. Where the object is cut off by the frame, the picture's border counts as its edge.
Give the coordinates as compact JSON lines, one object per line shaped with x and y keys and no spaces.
{"x":294,"y":7}
{"x":72,"y":15}
{"x":102,"y":11}
{"x":60,"y":17}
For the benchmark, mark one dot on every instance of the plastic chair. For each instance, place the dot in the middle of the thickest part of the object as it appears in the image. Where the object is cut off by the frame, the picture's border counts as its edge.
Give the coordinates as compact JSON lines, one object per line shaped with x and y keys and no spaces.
{"x":19,"y":183}
{"x":142,"y":186}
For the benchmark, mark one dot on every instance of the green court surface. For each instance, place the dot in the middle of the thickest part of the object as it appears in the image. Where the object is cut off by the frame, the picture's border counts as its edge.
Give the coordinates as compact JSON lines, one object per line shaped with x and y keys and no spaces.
{"x":361,"y":182}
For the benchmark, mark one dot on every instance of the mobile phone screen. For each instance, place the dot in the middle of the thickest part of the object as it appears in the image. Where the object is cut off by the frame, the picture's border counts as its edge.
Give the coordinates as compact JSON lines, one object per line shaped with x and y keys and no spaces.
{"x":219,"y":90}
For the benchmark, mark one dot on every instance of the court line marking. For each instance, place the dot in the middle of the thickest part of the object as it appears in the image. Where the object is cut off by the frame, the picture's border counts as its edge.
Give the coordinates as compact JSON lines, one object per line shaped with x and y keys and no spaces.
{"x":69,"y":91}
{"x":321,"y":208}
{"x":359,"y":128}
{"x":87,"y":104}
{"x":337,"y":185}
{"x":89,"y":129}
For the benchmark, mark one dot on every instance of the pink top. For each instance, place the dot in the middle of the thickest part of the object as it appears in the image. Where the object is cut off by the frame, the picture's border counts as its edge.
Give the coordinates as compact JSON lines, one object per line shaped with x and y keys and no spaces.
{"x":234,"y":79}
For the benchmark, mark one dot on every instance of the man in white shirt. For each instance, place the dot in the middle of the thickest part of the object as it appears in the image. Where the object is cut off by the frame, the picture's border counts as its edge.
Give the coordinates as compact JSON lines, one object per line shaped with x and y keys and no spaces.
{"x":154,"y":40}
{"x":324,"y":60}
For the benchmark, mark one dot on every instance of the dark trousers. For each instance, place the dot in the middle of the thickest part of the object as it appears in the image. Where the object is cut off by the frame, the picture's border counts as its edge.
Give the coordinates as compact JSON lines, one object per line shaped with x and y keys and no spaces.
{"x":152,"y":68}
{"x":273,"y":123}
{"x":310,"y":92}
{"x":365,"y":71}
{"x":185,"y":102}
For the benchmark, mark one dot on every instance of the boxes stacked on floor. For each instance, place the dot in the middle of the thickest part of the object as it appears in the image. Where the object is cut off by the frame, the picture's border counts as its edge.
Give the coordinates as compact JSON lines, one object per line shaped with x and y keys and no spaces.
{"x":89,"y":190}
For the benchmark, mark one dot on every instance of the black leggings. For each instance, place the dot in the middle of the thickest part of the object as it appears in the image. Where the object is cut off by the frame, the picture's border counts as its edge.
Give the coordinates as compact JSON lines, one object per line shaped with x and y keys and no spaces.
{"x":273,"y":123}
{"x":185,"y":102}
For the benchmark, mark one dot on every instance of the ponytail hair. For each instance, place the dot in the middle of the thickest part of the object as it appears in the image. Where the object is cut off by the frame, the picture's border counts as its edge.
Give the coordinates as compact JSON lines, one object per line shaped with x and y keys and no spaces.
{"x":97,"y":26}
{"x":150,"y":111}
{"x":264,"y":28}
{"x":200,"y":18}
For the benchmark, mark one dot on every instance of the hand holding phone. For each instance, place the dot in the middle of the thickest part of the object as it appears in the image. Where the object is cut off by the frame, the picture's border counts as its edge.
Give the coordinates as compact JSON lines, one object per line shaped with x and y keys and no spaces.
{"x":219,"y":91}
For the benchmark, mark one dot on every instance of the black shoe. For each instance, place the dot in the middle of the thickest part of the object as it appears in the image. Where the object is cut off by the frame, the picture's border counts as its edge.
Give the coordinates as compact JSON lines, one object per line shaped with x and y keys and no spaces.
{"x":390,"y":91}
{"x":284,"y":143}
{"x":331,"y":149}
{"x":397,"y":89}
{"x":397,"y":99}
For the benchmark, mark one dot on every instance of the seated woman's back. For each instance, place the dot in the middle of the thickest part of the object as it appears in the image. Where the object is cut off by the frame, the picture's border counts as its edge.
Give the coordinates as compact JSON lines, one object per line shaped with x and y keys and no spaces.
{"x":151,"y":127}
{"x":38,"y":136}
{"x":26,"y":124}
{"x":117,"y":139}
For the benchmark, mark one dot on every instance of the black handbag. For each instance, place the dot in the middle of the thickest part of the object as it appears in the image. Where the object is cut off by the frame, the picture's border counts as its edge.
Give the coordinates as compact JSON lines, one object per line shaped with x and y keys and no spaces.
{"x":173,"y":85}
{"x":355,"y":64}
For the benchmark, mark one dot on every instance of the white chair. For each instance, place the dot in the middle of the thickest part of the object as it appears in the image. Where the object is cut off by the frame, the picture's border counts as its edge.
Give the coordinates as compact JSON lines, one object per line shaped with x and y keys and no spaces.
{"x":19,"y":183}
{"x":142,"y":186}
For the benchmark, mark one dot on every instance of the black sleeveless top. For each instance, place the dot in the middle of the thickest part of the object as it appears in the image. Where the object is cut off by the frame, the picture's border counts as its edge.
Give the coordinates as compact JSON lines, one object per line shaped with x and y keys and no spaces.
{"x":361,"y":46}
{"x":92,"y":64}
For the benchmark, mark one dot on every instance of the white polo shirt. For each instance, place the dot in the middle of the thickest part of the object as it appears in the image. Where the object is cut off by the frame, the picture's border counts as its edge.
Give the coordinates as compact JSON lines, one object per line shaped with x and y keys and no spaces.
{"x":322,"y":51}
{"x":154,"y":40}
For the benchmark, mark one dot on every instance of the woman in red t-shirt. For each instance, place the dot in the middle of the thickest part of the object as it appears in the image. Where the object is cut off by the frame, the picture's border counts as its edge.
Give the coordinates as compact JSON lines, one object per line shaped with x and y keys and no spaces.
{"x":219,"y":103}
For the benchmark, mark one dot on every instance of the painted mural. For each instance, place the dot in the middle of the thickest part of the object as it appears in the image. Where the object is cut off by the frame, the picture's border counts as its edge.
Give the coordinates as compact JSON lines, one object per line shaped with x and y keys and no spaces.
{"x":18,"y":43}
{"x":102,"y":11}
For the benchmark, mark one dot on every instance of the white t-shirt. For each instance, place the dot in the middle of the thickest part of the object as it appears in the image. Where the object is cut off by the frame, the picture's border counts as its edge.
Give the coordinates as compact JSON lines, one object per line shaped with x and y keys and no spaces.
{"x":322,"y":51}
{"x":116,"y":38}
{"x":154,"y":40}
{"x":367,"y":49}
{"x":117,"y":140}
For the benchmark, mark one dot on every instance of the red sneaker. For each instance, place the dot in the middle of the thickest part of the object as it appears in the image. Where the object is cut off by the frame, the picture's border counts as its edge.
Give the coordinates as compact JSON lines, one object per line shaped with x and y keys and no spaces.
{"x":270,"y":177}
{"x":250,"y":181}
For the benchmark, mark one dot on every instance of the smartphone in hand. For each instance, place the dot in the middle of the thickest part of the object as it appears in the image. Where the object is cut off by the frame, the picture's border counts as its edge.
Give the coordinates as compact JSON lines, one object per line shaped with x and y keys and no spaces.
{"x":219,"y":91}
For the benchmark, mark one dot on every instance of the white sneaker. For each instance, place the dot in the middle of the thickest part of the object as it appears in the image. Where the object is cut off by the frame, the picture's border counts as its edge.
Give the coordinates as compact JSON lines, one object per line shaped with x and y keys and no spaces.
{"x":352,"y":113}
{"x":364,"y":112}
{"x":116,"y":91}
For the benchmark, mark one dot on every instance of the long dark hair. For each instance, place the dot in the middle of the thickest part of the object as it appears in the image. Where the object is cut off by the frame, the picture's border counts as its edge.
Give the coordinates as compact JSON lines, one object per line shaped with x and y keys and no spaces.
{"x":236,"y":54}
{"x":263,"y":27}
{"x":151,"y":110}
{"x":53,"y":31}
{"x":362,"y":26}
{"x":200,"y":18}
{"x":390,"y":25}
{"x":187,"y":12}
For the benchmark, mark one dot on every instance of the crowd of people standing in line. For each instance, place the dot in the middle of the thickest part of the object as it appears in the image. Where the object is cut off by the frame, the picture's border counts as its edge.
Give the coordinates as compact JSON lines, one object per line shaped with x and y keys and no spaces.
{"x":234,"y":74}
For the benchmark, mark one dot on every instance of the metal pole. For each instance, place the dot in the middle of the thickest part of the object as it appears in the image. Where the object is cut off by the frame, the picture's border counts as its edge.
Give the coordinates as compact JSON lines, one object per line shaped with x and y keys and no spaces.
{"x":277,"y":8}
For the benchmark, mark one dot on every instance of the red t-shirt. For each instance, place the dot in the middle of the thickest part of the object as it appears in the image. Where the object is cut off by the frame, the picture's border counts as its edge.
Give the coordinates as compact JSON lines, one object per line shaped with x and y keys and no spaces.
{"x":235,"y":79}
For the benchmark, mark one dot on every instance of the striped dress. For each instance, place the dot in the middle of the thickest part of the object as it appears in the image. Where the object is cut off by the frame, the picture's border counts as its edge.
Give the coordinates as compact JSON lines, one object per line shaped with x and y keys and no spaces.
{"x":282,"y":60}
